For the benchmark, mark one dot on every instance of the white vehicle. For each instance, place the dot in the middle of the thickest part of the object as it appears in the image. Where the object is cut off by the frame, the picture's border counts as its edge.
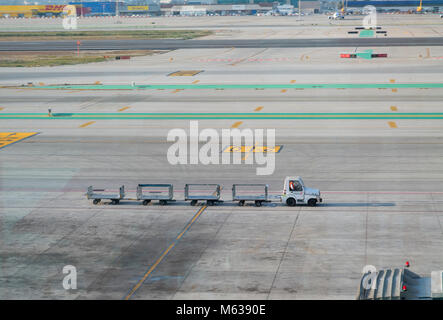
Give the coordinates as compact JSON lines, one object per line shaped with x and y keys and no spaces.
{"x":337,"y":16}
{"x":295,"y":192}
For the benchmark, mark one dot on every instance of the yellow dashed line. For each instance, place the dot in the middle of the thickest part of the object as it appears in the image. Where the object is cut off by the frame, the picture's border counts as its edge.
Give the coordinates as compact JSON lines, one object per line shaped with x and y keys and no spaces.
{"x":86,"y":124}
{"x":237,"y":124}
{"x":394,"y":90}
{"x":392,"y":80}
{"x":258,"y":108}
{"x":293,"y":81}
{"x":196,"y":81}
{"x":177,"y":90}
{"x":394,"y":108}
{"x":283,"y":91}
{"x":1,"y":108}
{"x":246,"y":156}
{"x":152,"y":268}
{"x":392,"y":124}
{"x":123,"y":109}
{"x":185,"y":73}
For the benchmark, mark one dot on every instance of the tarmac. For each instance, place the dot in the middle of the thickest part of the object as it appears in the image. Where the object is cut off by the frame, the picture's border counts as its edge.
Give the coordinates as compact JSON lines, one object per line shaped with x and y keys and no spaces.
{"x":380,"y":175}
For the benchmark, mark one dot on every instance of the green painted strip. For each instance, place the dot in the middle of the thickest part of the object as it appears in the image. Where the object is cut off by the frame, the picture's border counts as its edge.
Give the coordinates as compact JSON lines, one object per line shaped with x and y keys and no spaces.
{"x":367,"y":54}
{"x":248,"y":86}
{"x":366,"y":33}
{"x":219,"y":116}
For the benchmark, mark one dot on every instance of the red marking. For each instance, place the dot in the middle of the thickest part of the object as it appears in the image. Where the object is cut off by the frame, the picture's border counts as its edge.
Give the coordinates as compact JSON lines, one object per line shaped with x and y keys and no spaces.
{"x":379,"y":55}
{"x":348,"y":55}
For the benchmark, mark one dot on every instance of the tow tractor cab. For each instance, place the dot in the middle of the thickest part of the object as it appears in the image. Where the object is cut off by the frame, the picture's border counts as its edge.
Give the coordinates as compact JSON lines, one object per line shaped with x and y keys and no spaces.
{"x":295,"y":192}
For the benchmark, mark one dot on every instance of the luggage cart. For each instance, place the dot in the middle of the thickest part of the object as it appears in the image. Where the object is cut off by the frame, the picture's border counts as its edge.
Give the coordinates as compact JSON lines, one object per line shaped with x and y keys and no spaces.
{"x":162,"y":192}
{"x":210,"y":194}
{"x":98,"y":197}
{"x":256,"y":192}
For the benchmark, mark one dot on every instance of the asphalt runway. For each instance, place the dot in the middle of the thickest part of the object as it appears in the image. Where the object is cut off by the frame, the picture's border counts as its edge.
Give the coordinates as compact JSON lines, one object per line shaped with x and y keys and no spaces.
{"x":140,"y":44}
{"x":381,"y":179}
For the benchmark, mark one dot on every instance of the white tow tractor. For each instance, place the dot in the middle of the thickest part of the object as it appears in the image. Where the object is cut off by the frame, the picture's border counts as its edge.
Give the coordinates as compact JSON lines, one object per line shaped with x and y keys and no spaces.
{"x":295,"y":192}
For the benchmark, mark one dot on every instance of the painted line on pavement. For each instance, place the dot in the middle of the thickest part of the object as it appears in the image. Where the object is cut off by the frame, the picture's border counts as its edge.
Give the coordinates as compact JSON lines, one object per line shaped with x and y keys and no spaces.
{"x":247,"y":86}
{"x":392,"y":124}
{"x":165,"y":253}
{"x":86,"y":124}
{"x":237,"y":124}
{"x":218,"y":116}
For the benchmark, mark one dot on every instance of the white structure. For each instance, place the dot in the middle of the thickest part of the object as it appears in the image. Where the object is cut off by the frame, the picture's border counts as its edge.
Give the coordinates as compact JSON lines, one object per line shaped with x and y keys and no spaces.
{"x":285,"y":9}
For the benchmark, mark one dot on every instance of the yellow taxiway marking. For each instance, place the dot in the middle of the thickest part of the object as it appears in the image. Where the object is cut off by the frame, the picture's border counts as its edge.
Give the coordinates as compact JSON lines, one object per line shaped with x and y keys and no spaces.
{"x":185,"y":73}
{"x":7,"y":138}
{"x":177,"y":90}
{"x":394,"y":108}
{"x":123,"y":109}
{"x":152,"y":268}
{"x":284,"y":90}
{"x":392,"y":124}
{"x":86,"y":124}
{"x":245,"y":149}
{"x":246,"y":156}
{"x":293,"y":81}
{"x":196,"y":81}
{"x":237,"y":124}
{"x":392,"y":80}
{"x":1,"y":108}
{"x":394,"y":90}
{"x":258,"y":108}
{"x":97,"y":82}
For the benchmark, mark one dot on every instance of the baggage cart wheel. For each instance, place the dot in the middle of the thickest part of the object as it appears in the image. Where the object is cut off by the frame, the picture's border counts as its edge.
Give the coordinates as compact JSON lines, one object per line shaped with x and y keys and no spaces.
{"x":193,"y":202}
{"x":241,"y":203}
{"x":115,"y":201}
{"x":210,"y":202}
{"x":163,"y":202}
{"x":291,"y":202}
{"x":312,"y":202}
{"x":96,"y":201}
{"x":257,"y":203}
{"x":146,"y":202}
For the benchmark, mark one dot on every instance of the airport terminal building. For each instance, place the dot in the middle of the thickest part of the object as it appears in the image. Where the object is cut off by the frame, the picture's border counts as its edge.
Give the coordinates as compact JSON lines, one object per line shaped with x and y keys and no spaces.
{"x":209,"y":7}
{"x":397,"y":5}
{"x":164,"y":7}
